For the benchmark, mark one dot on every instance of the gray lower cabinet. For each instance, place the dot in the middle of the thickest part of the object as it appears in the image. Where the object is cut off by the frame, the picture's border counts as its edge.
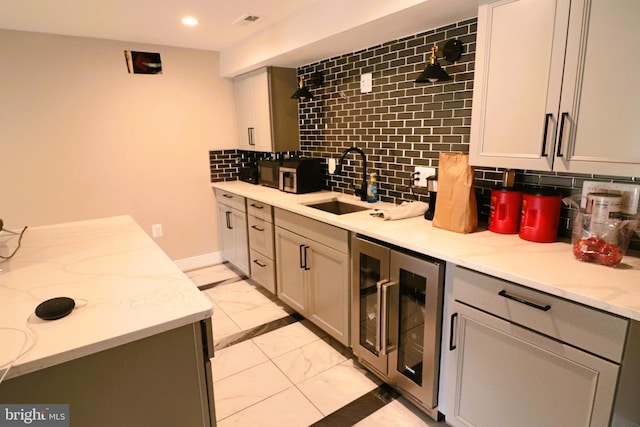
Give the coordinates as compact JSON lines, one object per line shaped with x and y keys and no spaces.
{"x":232,"y":229}
{"x":163,"y":381}
{"x":516,"y":356}
{"x":313,"y":271}
{"x":261,"y":244}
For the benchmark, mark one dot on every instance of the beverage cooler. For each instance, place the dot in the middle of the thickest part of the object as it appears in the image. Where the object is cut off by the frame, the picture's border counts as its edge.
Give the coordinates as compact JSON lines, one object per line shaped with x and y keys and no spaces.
{"x":396,"y":318}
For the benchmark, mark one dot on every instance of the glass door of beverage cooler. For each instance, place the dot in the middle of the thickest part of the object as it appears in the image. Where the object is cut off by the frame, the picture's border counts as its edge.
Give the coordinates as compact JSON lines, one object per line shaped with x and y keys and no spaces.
{"x":414,"y":365}
{"x":396,"y":318}
{"x":370,"y":271}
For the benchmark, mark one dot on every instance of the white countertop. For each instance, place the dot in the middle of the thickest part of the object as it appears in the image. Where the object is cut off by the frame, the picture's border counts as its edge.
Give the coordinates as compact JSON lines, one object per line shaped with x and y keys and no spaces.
{"x":126,"y":288}
{"x":549,"y":267}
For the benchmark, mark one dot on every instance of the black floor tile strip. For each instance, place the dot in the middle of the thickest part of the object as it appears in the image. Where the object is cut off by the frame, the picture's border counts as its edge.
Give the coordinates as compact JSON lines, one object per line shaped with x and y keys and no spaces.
{"x":360,"y":408}
{"x":222,"y":282}
{"x":257,"y":331}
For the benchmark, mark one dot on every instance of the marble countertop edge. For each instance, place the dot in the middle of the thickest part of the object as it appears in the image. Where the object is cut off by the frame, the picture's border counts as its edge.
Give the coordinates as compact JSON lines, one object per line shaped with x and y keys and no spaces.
{"x":547,"y":267}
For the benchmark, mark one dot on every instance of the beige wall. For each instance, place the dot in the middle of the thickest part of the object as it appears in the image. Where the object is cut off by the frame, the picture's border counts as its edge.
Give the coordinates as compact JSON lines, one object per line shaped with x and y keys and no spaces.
{"x":81,"y":138}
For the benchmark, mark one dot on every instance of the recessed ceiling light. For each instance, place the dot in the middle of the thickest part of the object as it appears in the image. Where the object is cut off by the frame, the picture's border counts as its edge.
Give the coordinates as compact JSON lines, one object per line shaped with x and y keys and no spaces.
{"x":190,"y":21}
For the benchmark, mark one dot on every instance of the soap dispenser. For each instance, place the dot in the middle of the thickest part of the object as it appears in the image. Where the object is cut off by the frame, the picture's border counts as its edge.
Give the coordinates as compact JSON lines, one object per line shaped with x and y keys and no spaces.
{"x":372,"y":188}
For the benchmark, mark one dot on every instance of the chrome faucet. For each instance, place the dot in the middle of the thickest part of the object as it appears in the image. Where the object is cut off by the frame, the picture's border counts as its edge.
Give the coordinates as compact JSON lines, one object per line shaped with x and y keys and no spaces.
{"x":363,"y":187}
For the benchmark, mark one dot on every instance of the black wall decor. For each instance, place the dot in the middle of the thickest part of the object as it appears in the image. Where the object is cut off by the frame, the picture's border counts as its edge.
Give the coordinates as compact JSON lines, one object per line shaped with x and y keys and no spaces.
{"x":143,"y":62}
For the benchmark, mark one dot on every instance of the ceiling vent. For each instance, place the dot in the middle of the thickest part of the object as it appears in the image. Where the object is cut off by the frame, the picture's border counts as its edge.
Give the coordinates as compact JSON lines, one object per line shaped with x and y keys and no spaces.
{"x":247,"y":19}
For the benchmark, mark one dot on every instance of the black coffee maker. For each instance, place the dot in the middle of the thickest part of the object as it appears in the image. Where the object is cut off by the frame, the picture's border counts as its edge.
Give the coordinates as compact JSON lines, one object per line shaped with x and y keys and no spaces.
{"x":432,"y":188}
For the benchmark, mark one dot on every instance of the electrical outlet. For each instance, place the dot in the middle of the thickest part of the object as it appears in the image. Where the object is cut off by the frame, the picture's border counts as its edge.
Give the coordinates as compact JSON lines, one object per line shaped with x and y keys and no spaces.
{"x":156,"y":230}
{"x":331,"y":164}
{"x":366,"y":84}
{"x":630,"y":193}
{"x":421,"y":174}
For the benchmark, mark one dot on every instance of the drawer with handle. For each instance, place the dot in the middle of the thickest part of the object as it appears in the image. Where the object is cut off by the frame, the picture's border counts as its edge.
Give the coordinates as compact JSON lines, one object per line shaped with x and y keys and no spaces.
{"x":260,"y":210}
{"x":230,"y":199}
{"x":263,"y":271}
{"x":581,"y":326}
{"x":261,"y":236}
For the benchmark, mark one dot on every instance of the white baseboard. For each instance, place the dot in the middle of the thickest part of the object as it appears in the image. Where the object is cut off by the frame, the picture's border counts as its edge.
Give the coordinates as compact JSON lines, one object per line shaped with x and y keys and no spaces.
{"x":199,"y":261}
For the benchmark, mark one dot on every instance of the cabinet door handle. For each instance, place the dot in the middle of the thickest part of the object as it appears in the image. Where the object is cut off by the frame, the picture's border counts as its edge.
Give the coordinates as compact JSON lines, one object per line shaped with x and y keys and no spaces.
{"x":257,"y":261}
{"x":257,"y":228}
{"x":379,"y":324}
{"x":452,"y":326}
{"x":228,"y":196}
{"x":306,"y":266}
{"x":384,"y":318}
{"x":250,"y":133}
{"x":547,"y":117}
{"x":503,"y":293}
{"x":562,"y":120}
{"x":301,"y":248}
{"x":228,"y":216}
{"x":257,"y":206}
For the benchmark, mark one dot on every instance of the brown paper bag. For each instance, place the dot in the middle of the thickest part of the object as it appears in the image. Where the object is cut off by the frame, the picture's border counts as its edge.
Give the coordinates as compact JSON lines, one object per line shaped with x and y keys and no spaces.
{"x":456,"y":208}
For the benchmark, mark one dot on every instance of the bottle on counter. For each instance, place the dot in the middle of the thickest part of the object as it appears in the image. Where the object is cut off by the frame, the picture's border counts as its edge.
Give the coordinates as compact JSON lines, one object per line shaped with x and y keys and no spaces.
{"x":372,"y":188}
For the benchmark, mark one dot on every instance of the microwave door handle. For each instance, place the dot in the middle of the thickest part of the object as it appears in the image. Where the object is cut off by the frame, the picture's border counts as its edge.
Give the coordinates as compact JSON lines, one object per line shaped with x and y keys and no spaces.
{"x":285,"y":181}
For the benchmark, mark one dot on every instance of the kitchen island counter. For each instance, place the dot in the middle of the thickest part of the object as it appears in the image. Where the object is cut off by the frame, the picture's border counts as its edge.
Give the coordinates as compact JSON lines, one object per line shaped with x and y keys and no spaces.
{"x":548,"y":267}
{"x":136,"y":314}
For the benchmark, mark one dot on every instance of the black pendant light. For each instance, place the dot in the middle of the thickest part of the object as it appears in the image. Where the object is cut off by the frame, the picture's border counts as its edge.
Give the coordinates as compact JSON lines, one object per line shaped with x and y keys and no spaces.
{"x":434,"y":72}
{"x":303,"y":93}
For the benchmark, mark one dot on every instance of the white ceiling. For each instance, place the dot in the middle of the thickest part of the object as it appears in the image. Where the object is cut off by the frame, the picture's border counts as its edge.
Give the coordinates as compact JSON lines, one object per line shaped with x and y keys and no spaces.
{"x":290,"y":32}
{"x":147,"y":21}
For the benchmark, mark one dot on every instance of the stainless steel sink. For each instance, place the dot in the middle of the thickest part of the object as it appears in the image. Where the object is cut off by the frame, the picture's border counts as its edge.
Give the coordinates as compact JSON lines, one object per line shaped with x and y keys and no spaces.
{"x":338,"y":207}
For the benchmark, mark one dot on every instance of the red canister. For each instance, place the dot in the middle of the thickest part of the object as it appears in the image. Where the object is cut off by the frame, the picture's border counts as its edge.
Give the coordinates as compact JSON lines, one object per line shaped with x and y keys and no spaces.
{"x":505,"y":211}
{"x":540,"y":215}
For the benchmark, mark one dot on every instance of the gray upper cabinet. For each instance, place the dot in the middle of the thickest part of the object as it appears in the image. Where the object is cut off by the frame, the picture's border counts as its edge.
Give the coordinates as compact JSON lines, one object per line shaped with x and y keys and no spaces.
{"x":548,"y":94}
{"x":267,"y":116}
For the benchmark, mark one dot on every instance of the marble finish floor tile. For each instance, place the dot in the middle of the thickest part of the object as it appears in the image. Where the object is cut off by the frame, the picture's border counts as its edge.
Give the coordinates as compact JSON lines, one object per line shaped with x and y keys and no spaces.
{"x":399,"y":413}
{"x":361,"y":408}
{"x":246,"y":388}
{"x":232,"y":360}
{"x":288,"y":408}
{"x":290,"y":337}
{"x":213,"y":274}
{"x":237,"y":296}
{"x":223,"y":326}
{"x":256,"y":331}
{"x":337,"y":386}
{"x":272,"y":367}
{"x":309,"y":360}
{"x":259,"y":315}
{"x":245,"y":305}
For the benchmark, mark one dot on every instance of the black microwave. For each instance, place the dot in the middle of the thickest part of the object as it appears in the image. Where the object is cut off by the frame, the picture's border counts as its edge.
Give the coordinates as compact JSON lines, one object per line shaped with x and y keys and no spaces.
{"x":303,"y":175}
{"x":269,"y":173}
